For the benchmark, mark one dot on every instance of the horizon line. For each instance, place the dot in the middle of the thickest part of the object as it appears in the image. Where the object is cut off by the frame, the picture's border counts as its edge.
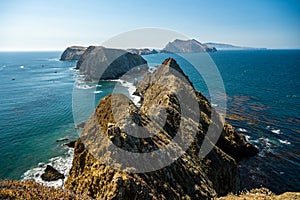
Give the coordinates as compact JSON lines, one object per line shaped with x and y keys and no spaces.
{"x":56,"y":50}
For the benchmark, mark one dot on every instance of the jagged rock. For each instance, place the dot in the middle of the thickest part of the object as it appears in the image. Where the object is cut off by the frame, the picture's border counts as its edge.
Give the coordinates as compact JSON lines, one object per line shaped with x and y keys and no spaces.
{"x":187,"y":46}
{"x":99,"y":171}
{"x":72,"y":53}
{"x":99,"y":62}
{"x":51,"y":174}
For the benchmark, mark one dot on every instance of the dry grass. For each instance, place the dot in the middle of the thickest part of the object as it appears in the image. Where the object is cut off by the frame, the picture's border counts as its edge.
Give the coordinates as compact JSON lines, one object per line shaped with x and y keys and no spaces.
{"x":32,"y":190}
{"x":262,"y":194}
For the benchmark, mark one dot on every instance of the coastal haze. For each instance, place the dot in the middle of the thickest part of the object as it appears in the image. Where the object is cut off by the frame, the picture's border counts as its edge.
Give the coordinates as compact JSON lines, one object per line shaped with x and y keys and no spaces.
{"x":190,"y":109}
{"x":55,"y":25}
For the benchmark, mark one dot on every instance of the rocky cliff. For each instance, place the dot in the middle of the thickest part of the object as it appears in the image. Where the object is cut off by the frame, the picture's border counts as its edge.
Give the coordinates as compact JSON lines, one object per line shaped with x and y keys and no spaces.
{"x":187,"y":46}
{"x":98,"y":62}
{"x":115,"y":157}
{"x":72,"y":53}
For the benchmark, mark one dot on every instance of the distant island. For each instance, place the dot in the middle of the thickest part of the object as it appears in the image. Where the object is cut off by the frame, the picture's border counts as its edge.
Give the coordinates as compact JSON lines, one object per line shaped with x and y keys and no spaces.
{"x":187,"y":46}
{"x":223,"y":46}
{"x":177,"y":46}
{"x":144,"y":51}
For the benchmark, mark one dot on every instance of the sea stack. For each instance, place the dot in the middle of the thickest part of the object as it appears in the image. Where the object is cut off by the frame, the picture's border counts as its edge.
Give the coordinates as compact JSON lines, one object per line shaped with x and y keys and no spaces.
{"x":187,"y":177}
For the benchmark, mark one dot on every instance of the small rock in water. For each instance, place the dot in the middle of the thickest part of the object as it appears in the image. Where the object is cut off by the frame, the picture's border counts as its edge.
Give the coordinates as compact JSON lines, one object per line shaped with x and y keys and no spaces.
{"x":51,"y":174}
{"x":80,"y":126}
{"x":62,"y":139}
{"x":70,"y":144}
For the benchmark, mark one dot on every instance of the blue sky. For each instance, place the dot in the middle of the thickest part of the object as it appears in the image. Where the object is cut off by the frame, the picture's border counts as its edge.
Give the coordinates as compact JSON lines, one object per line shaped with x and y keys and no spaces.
{"x":51,"y":25}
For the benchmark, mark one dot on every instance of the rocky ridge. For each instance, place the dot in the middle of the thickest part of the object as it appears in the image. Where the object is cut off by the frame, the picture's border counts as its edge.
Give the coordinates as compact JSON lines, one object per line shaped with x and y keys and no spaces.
{"x":99,"y":172}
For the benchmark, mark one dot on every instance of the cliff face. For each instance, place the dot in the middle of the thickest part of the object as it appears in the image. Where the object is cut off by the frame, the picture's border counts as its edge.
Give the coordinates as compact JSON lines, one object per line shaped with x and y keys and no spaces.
{"x":187,"y":46}
{"x":72,"y":53}
{"x":166,"y":115}
{"x":98,"y":62}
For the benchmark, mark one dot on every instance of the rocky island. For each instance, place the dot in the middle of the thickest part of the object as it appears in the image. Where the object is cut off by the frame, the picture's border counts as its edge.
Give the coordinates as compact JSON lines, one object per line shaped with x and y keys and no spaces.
{"x":187,"y":46}
{"x":144,"y":51}
{"x":72,"y":53}
{"x":98,"y":62}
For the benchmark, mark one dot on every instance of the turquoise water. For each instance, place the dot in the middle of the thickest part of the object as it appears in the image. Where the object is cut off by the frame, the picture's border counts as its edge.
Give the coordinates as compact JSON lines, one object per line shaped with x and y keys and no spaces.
{"x":262,"y":87}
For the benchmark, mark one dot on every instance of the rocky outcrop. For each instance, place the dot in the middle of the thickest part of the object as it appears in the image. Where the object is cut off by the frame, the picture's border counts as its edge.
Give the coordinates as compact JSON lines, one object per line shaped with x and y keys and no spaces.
{"x":144,"y":51}
{"x":187,"y":46}
{"x":51,"y":174}
{"x":166,"y":114}
{"x":72,"y":53}
{"x":99,"y":62}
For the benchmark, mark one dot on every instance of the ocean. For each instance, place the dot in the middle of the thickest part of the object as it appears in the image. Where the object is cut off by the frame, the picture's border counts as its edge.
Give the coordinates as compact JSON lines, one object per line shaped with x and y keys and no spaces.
{"x":38,"y":92}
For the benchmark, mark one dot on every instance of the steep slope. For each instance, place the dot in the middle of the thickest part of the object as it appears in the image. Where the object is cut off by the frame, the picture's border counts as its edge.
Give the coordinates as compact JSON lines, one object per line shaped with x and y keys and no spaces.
{"x":116,"y":156}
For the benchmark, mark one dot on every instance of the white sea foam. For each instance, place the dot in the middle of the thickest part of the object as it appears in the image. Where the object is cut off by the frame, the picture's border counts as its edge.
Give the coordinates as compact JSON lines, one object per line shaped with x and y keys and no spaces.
{"x":247,"y":137}
{"x":242,"y":130}
{"x":131,"y":89}
{"x":273,"y":130}
{"x":151,"y":69}
{"x":97,"y":91}
{"x":3,"y":67}
{"x":84,"y":86}
{"x":22,"y":67}
{"x":62,"y":163}
{"x":73,"y":69}
{"x":277,"y":131}
{"x":53,"y":59}
{"x":284,"y":141}
{"x":266,"y":143}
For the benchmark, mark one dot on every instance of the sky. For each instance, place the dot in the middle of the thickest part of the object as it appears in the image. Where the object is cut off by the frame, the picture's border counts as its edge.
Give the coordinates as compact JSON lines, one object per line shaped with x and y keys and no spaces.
{"x":56,"y":24}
